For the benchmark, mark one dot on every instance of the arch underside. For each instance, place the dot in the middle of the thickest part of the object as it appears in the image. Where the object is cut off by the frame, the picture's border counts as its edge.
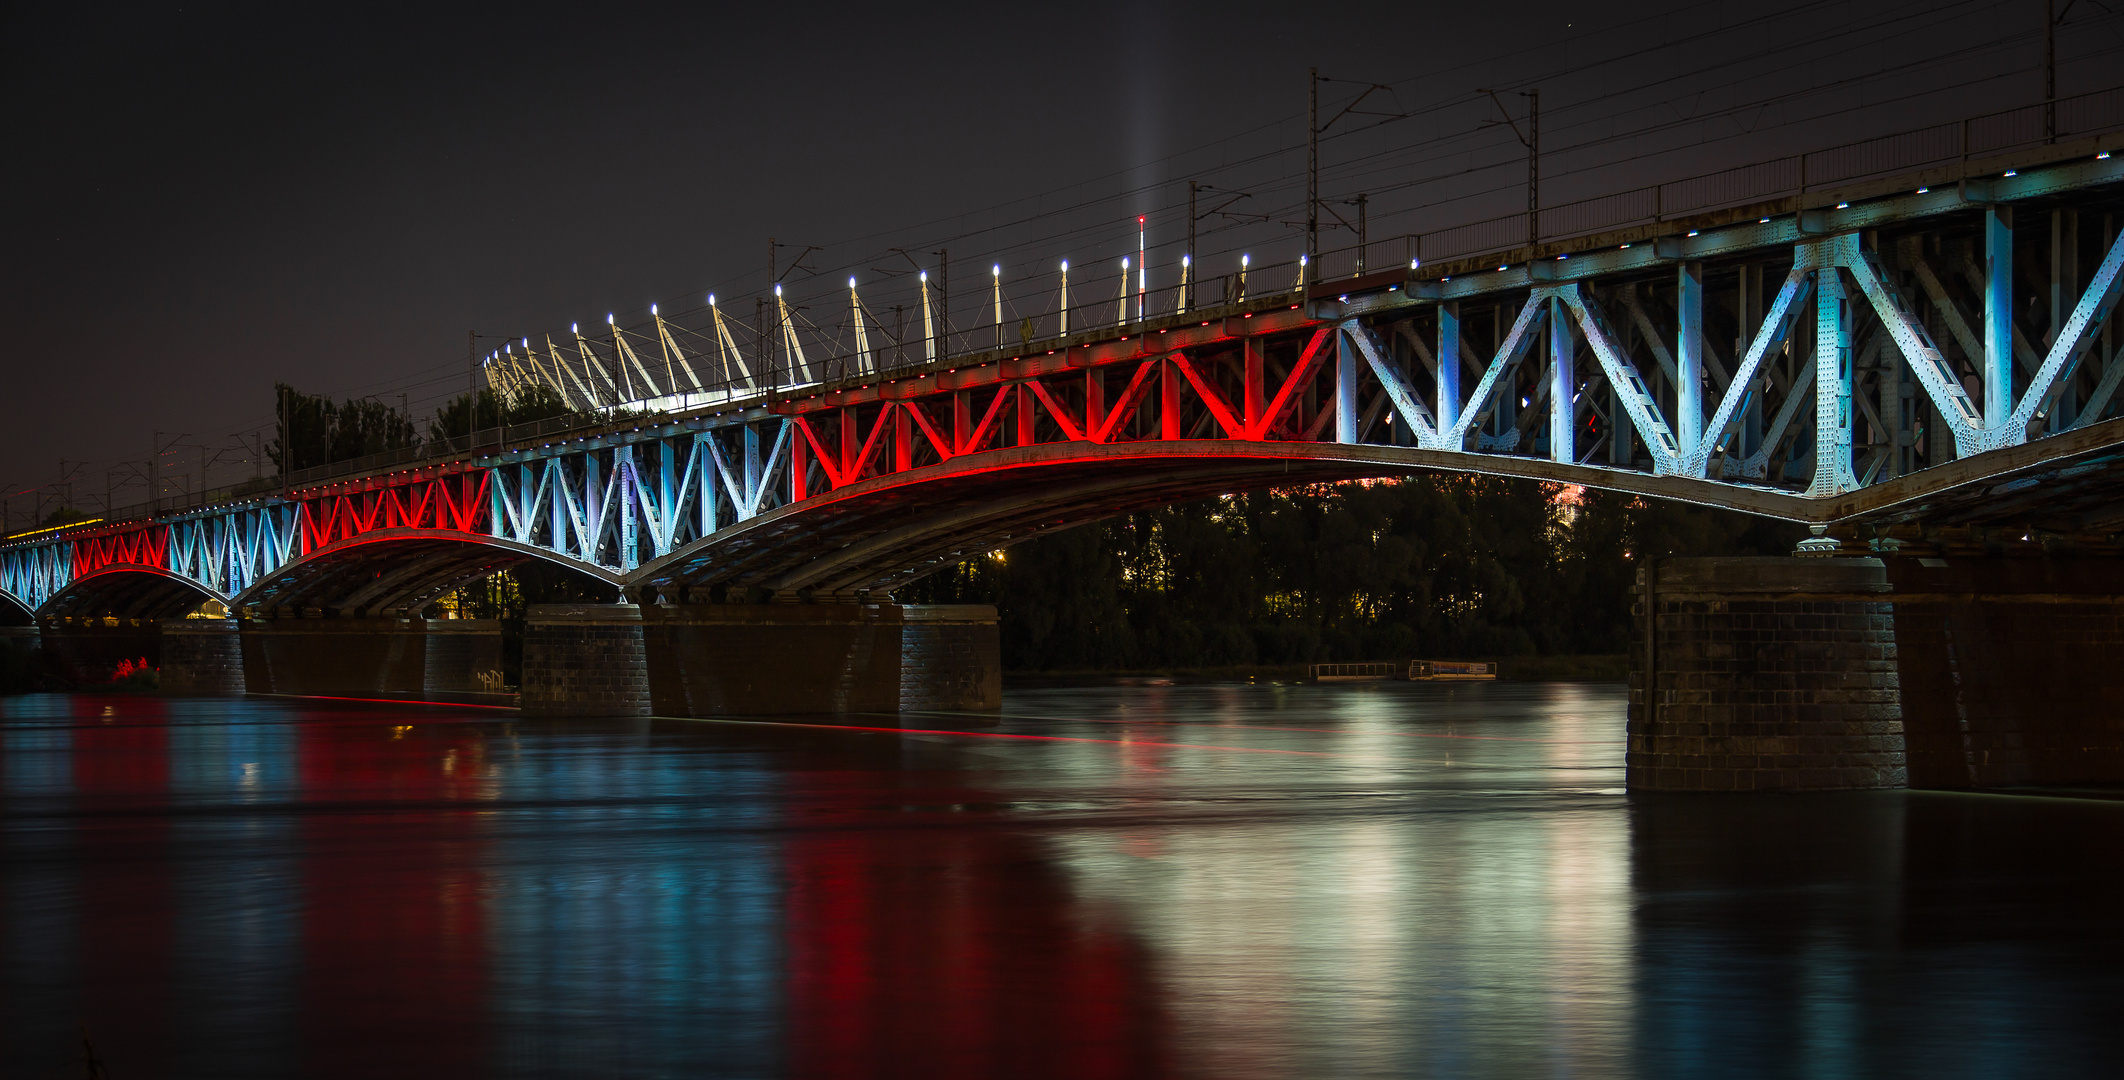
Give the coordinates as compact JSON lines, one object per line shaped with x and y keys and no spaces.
{"x":13,"y":612}
{"x":881,"y":533}
{"x":398,"y":571}
{"x":130,"y":591}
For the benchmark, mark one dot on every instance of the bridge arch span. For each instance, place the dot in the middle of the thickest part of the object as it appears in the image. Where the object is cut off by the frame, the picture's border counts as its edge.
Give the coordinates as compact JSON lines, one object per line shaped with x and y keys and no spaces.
{"x":880,"y":533}
{"x":129,"y":591}
{"x":398,"y":571}
{"x":14,"y":612}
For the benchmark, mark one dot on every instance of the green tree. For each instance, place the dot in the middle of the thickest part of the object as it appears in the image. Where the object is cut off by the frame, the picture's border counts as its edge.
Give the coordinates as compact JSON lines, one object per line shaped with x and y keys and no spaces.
{"x":315,"y":430}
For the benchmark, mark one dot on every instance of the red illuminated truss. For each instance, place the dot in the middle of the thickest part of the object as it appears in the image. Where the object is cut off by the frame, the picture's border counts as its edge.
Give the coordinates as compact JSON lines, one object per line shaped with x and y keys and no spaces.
{"x":430,"y":504}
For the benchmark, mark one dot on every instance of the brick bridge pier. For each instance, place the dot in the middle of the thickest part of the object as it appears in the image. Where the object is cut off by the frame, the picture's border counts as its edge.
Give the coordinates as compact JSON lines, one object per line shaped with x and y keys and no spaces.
{"x":1797,"y":674}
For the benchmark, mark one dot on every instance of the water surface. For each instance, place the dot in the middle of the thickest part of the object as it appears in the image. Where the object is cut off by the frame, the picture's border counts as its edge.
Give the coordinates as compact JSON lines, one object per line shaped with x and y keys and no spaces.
{"x":1208,"y":880}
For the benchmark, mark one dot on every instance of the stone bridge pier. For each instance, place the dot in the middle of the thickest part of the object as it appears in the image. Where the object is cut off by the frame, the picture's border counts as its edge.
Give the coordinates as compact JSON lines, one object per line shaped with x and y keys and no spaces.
{"x":703,"y":660}
{"x":384,"y":657}
{"x":1824,"y":673}
{"x":202,"y":656}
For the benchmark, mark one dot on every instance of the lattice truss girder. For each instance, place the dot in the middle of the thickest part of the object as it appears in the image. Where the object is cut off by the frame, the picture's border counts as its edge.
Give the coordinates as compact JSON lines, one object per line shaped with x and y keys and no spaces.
{"x":1860,"y":335}
{"x":1565,"y":378}
{"x":223,"y":554}
{"x":228,"y":553}
{"x":620,"y":506}
{"x":446,"y":504}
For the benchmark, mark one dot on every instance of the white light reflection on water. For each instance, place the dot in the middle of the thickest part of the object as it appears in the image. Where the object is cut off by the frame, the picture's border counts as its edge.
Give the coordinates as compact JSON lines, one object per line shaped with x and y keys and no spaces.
{"x":1389,"y":927}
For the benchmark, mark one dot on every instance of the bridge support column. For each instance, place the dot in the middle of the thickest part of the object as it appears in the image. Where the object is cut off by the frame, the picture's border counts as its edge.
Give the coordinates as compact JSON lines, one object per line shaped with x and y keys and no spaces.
{"x":777,"y":659}
{"x":415,"y":659}
{"x":202,"y":656}
{"x":2010,"y":672}
{"x":1798,"y":674}
{"x":461,"y":656}
{"x":584,"y":660}
{"x":1764,"y":674}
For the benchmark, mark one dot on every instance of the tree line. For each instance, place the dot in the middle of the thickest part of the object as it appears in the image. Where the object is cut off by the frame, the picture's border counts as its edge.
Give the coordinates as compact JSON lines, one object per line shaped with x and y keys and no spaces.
{"x":1436,"y":565}
{"x":315,"y":430}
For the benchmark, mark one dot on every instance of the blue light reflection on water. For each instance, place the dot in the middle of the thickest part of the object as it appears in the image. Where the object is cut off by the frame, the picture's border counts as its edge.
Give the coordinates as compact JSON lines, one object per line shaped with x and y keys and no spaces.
{"x":1217,"y":880}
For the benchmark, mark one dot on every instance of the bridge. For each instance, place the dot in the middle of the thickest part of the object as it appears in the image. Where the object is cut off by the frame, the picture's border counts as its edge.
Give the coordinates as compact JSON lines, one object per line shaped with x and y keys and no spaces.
{"x":1920,"y":364}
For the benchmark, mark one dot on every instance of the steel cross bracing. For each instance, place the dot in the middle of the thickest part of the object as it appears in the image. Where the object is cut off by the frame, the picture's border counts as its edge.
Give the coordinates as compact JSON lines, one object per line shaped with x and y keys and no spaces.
{"x":615,"y":502}
{"x":1878,"y":360}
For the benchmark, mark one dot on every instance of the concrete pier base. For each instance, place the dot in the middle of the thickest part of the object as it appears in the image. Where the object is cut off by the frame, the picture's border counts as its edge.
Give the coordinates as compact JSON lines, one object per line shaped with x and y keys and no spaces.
{"x":1755,"y":674}
{"x":369,"y":657}
{"x":202,"y":656}
{"x":461,"y":656}
{"x":584,"y":660}
{"x":772,"y":659}
{"x":1799,"y":674}
{"x":2010,"y":670}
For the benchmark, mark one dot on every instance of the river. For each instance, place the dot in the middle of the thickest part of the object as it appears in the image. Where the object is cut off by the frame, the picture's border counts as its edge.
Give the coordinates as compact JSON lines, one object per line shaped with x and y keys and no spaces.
{"x":1212,"y":880}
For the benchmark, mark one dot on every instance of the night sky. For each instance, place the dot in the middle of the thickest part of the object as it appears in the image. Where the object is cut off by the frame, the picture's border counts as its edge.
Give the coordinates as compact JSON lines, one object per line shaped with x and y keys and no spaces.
{"x":205,"y":199}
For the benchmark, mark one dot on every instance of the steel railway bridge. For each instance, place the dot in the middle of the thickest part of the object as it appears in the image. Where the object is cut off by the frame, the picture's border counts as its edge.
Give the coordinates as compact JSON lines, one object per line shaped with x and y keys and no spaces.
{"x":1924,"y":364}
{"x":1919,"y":364}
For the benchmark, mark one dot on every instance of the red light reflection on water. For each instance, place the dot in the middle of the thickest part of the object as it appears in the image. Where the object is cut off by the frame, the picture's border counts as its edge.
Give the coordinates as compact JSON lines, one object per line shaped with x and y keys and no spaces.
{"x":951,"y":949}
{"x":394,"y":954}
{"x":127,"y":917}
